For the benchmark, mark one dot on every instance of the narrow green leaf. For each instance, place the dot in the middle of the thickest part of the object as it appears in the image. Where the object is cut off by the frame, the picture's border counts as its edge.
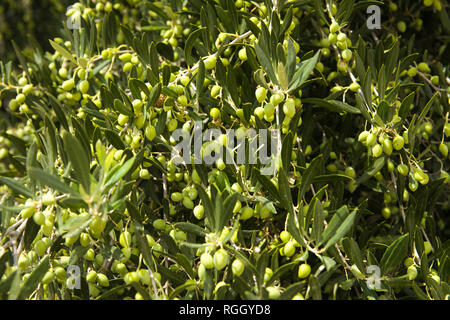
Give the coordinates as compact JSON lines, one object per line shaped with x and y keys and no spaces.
{"x":318,"y":225}
{"x":377,"y":165}
{"x":338,"y":218}
{"x":207,"y":204}
{"x":395,"y":254}
{"x":332,"y":105}
{"x":265,"y":63}
{"x":78,"y":158}
{"x":33,"y":280}
{"x":190,"y":228}
{"x":62,"y":51}
{"x":17,"y":187}
{"x":200,"y":78}
{"x":342,"y":230}
{"x":308,"y":176}
{"x":114,"y":139}
{"x":285,"y":191}
{"x":303,"y":72}
{"x":51,"y":181}
{"x":119,"y":174}
{"x":190,"y":44}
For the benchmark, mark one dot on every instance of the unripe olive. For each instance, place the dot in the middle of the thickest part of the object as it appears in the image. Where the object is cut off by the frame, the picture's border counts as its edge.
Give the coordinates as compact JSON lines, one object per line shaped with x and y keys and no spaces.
{"x":304,"y":270}
{"x":120,"y":268}
{"x":377,"y":150}
{"x":62,"y":72}
{"x":325,"y":52}
{"x":298,"y":296}
{"x":401,"y":26}
{"x":427,"y":246}
{"x":408,"y":262}
{"x":261,"y":94}
{"x":274,"y":292}
{"x":412,"y":272}
{"x":443,"y":149}
{"x":325,"y":42}
{"x":242,"y":54}
{"x":334,"y":27}
{"x":131,"y":277}
{"x":68,"y":85}
{"x":237,"y":267}
{"x":423,"y":67}
{"x":39,"y":218}
{"x":187,"y":203}
{"x":102,"y":280}
{"x":20,"y":98}
{"x":125,"y":57}
{"x":346,"y":55}
{"x":362,"y":137}
{"x":354,"y":86}
{"x":371,"y":139}
{"x":349,"y":171}
{"x":22,"y":81}
{"x":122,"y":119}
{"x":40,"y":247}
{"x":289,"y":108}
{"x":159,"y":224}
{"x":176,"y":196}
{"x":199,"y":211}
{"x":398,"y":143}
{"x":386,"y":212}
{"x":182,"y":100}
{"x":84,"y":239}
{"x":269,"y":109}
{"x":215,"y":113}
{"x":285,"y":236}
{"x":289,"y":249}
{"x":276,"y":98}
{"x":144,"y":276}
{"x":210,"y":62}
{"x":215,"y":91}
{"x":48,"y":277}
{"x":84,"y":86}
{"x":172,"y":125}
{"x":125,"y":239}
{"x":89,"y":255}
{"x":28,"y":212}
{"x":207,"y":260}
{"x":23,"y":261}
{"x":403,"y":169}
{"x":413,"y":185}
{"x":220,"y":259}
{"x":333,"y":38}
{"x":246,"y":213}
{"x":150,"y":132}
{"x":60,"y":273}
{"x":435,"y":80}
{"x":387,"y":146}
{"x":412,"y":72}
{"x":447,"y":129}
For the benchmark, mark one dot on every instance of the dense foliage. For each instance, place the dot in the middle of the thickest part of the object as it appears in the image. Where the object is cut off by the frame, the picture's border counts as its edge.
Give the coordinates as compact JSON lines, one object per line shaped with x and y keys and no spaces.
{"x":94,"y":205}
